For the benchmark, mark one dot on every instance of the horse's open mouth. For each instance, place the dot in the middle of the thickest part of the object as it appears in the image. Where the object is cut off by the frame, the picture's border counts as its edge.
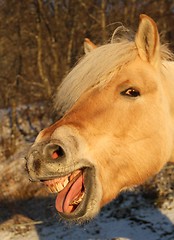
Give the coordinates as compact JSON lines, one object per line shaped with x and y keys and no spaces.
{"x":77,"y":190}
{"x":70,"y":189}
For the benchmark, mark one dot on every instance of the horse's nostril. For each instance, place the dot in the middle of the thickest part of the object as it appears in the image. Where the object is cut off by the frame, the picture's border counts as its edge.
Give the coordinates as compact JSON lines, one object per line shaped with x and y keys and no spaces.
{"x":53,"y":151}
{"x":59,"y":152}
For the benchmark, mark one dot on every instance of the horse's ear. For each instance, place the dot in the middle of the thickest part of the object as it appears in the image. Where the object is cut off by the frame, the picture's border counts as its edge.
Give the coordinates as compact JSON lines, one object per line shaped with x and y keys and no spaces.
{"x":88,"y":46}
{"x":147,"y":40}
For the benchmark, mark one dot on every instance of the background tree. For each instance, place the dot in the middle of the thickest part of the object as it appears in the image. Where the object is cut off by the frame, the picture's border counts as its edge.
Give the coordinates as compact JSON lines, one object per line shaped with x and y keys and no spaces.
{"x":40,"y":40}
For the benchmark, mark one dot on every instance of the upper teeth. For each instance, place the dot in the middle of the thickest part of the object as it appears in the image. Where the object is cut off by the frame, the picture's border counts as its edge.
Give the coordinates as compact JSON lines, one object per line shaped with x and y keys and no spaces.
{"x":58,"y":185}
{"x":66,"y":182}
{"x":54,"y":186}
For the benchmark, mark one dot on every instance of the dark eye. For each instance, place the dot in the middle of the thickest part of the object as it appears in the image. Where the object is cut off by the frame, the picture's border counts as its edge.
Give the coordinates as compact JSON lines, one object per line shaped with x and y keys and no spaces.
{"x":130,"y":92}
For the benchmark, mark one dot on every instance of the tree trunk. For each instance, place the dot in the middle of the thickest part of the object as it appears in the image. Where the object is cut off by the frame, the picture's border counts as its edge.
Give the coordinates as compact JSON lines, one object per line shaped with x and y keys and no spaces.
{"x":40,"y":61}
{"x":103,"y":20}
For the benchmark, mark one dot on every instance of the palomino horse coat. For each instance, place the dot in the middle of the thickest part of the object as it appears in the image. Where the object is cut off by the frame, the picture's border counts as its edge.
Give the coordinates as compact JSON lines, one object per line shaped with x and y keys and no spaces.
{"x":117,"y":129}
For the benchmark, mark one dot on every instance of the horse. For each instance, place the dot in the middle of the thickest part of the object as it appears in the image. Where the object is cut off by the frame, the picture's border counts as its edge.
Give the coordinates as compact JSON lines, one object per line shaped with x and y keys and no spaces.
{"x":117,"y":124}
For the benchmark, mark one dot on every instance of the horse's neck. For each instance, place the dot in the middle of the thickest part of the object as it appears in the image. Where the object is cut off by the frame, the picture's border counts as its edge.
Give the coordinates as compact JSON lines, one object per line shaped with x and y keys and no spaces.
{"x":169,"y":85}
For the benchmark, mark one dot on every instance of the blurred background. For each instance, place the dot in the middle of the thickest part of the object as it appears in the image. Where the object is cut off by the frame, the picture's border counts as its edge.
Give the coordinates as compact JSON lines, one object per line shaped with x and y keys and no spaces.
{"x":40,"y":41}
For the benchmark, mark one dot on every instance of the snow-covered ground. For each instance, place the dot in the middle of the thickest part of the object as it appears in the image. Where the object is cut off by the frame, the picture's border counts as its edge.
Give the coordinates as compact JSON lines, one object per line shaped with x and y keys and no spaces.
{"x":130,"y":217}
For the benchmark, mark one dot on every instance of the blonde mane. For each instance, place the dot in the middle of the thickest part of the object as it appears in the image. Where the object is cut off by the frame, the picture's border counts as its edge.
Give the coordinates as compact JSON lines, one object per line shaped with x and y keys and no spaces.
{"x":97,"y":68}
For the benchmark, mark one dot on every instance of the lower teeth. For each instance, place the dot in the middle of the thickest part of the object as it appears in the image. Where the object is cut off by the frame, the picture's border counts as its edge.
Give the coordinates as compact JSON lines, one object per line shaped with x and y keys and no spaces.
{"x":77,"y":201}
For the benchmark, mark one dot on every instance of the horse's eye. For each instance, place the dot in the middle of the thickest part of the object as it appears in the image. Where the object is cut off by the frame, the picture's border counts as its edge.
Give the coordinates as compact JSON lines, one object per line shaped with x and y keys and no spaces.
{"x":130,"y":92}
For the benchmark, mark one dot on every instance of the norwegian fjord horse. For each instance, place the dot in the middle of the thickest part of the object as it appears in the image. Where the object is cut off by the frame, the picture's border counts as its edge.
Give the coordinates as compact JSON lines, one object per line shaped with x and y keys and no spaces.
{"x":117,"y":128}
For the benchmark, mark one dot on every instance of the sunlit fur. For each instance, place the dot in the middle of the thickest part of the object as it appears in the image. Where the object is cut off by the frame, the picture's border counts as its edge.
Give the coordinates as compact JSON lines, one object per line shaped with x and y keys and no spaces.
{"x":126,"y":139}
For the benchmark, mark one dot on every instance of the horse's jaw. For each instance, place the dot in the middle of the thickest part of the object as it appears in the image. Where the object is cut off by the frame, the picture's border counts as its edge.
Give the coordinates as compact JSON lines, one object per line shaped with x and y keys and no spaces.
{"x":79,"y":198}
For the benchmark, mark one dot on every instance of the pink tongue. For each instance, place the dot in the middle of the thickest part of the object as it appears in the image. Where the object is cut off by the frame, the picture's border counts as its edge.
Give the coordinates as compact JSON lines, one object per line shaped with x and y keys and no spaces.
{"x":68,"y":194}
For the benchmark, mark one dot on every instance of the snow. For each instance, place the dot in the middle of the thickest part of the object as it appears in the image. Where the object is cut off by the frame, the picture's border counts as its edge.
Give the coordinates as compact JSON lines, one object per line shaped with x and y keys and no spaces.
{"x":135,"y":218}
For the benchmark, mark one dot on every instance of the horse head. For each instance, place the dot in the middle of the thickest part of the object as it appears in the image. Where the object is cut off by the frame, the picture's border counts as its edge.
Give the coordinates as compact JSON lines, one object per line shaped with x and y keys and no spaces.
{"x":117,"y":127}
